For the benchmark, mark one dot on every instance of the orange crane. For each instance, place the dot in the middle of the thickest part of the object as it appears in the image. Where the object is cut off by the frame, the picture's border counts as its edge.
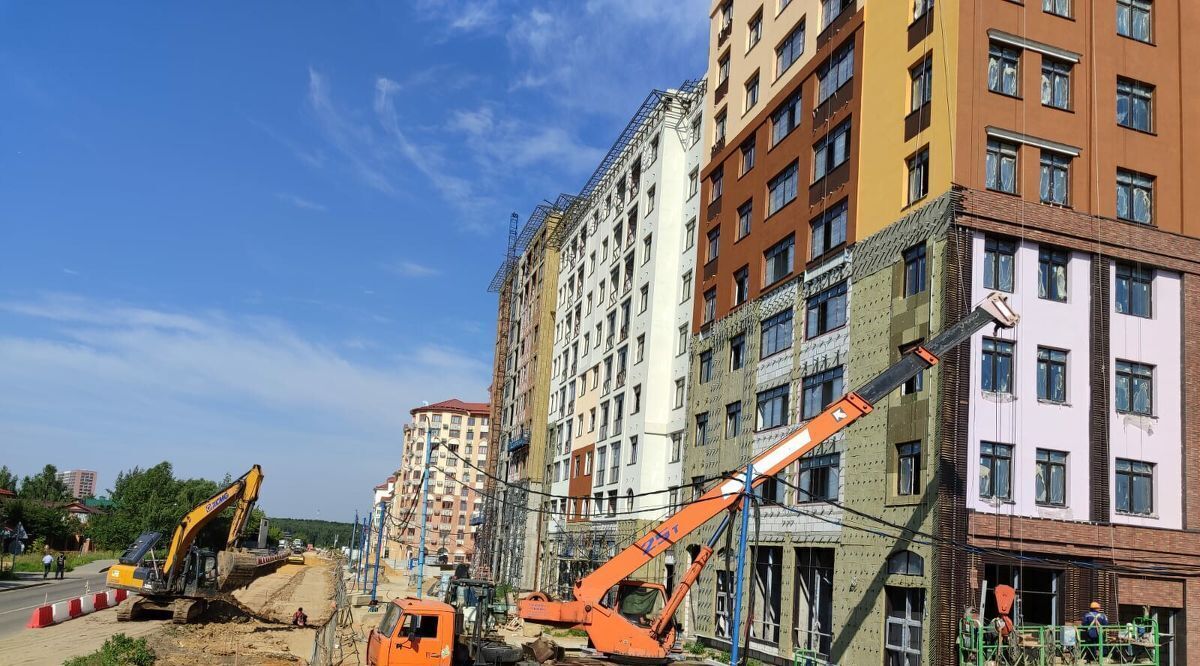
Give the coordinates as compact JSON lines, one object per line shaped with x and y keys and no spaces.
{"x":630,"y":633}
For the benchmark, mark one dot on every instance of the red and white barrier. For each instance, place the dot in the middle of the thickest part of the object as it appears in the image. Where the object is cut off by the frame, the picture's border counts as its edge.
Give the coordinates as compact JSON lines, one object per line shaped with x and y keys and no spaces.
{"x":61,"y":611}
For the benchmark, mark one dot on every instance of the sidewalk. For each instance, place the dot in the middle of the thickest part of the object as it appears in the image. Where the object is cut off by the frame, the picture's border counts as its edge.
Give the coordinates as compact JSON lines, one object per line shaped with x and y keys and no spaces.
{"x":27,"y":579}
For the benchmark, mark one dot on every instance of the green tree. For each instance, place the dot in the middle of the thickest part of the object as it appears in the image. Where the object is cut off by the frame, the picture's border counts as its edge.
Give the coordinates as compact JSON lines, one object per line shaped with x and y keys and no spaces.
{"x":8,"y":480}
{"x":44,"y":486}
{"x":45,"y":521}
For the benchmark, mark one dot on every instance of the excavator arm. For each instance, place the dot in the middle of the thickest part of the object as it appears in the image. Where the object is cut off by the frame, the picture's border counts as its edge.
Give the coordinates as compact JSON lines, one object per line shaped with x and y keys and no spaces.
{"x":244,"y":491}
{"x":614,"y":634}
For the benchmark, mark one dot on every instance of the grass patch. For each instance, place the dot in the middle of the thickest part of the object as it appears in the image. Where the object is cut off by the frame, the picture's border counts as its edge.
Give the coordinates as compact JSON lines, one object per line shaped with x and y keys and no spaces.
{"x":120,"y":650}
{"x":32,"y":562}
{"x":563,"y":633}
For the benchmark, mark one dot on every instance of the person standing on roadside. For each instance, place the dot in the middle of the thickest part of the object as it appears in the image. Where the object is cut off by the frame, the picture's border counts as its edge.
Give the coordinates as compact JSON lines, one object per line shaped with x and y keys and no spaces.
{"x":47,"y":560}
{"x":60,"y":565}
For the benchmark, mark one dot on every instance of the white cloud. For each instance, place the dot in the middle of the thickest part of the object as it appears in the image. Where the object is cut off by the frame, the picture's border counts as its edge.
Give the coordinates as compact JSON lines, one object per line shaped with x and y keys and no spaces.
{"x":411,"y":269}
{"x":113,"y":386}
{"x":299,"y":202}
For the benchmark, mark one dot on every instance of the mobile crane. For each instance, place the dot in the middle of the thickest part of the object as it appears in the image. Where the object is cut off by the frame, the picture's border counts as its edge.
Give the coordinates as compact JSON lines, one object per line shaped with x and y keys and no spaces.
{"x":182,"y":582}
{"x":628,"y":631}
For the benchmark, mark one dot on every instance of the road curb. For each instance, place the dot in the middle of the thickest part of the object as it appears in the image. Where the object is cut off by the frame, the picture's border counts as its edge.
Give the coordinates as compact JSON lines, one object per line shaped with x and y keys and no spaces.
{"x":24,"y":587}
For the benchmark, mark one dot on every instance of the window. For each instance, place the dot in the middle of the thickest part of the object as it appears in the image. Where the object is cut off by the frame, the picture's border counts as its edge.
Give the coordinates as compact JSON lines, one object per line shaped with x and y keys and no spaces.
{"x":1004,"y":64}
{"x":818,"y":478}
{"x":1050,"y":478}
{"x":1052,"y":273}
{"x":693,"y":183}
{"x":748,"y":155}
{"x":650,"y":199}
{"x":921,"y":78}
{"x":647,"y":245}
{"x":722,"y":603}
{"x":1135,"y":487}
{"x":831,"y":151}
{"x":778,"y":260}
{"x":717,"y":182}
{"x":914,"y":270}
{"x":714,"y":244}
{"x":706,"y":366}
{"x":835,"y":72}
{"x":685,"y":287}
{"x":1135,"y":104}
{"x":782,"y":189}
{"x":813,"y":597}
{"x":776,"y":333}
{"x":996,"y":374}
{"x":768,"y":587}
{"x":1133,"y":19}
{"x":906,"y":563}
{"x":710,"y":305}
{"x":829,"y":229}
{"x":637,"y":400}
{"x":1135,"y":388}
{"x":737,"y":351}
{"x":785,"y":118}
{"x":773,"y":407}
{"x":905,"y":613}
{"x":680,"y":392}
{"x":745,"y":213}
{"x":633,"y":450}
{"x":908,"y":468}
{"x":733,"y":419}
{"x":720,"y":123}
{"x":995,"y":471}
{"x":1057,"y":7}
{"x":918,"y":176}
{"x":754,"y":30}
{"x":998,"y":257}
{"x":682,"y":340}
{"x":831,"y":9}
{"x":752,"y":92}
{"x":825,"y":311}
{"x":1135,"y":197}
{"x":723,"y":69}
{"x":1001,"y":166}
{"x":639,"y":350}
{"x":741,"y":285}
{"x":790,"y":50}
{"x":820,"y":390}
{"x":921,"y":8}
{"x":676,"y":446}
{"x":1056,"y":80}
{"x":1134,"y":289}
{"x":643,"y":298}
{"x":1051,"y":374}
{"x":702,"y":429}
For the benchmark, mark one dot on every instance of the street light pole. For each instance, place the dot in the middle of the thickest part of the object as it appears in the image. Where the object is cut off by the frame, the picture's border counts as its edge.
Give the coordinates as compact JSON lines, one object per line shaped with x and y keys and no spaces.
{"x":378,"y":550}
{"x":424,"y":508}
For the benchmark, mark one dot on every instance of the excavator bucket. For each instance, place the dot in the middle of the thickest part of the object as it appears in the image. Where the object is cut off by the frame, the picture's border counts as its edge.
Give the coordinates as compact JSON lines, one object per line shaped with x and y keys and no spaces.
{"x":236,"y":570}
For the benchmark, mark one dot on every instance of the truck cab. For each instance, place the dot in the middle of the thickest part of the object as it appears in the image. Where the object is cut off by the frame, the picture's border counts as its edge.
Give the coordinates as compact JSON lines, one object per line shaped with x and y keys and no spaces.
{"x":413,"y":632}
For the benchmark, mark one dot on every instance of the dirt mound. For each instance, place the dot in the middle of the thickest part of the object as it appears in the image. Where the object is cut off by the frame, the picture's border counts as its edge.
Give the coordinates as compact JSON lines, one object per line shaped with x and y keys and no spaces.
{"x":240,"y":641}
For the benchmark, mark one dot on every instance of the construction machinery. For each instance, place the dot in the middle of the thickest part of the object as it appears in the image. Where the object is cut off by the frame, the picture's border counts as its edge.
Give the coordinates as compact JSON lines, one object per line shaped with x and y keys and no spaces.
{"x":633,"y":621}
{"x":187,"y":576}
{"x":458,"y":631}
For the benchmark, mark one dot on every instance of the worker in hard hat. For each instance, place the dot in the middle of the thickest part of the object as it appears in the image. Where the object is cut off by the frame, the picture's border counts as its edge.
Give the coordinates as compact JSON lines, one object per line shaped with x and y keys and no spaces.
{"x":1093,"y":622}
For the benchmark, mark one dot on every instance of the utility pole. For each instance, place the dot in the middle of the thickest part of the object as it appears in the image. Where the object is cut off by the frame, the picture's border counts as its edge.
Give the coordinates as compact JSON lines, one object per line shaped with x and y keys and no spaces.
{"x":736,"y":634}
{"x":378,"y":550}
{"x":424,"y":508}
{"x":353,"y":554}
{"x":366,"y":549}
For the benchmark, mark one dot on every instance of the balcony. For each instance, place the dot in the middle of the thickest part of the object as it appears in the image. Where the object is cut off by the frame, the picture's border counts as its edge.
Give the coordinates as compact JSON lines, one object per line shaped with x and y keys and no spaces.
{"x":718,"y":146}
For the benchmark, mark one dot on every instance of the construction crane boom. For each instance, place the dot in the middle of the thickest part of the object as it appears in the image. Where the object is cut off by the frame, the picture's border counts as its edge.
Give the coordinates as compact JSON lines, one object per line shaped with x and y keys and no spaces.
{"x":650,"y":638}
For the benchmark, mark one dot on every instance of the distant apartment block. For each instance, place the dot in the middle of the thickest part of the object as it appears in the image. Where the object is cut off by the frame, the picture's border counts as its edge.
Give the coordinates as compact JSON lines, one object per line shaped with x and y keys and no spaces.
{"x":81,"y":483}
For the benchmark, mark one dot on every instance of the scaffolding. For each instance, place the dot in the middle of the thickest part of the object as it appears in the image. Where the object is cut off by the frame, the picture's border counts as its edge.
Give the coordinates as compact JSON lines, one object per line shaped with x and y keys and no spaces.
{"x":1135,"y":642}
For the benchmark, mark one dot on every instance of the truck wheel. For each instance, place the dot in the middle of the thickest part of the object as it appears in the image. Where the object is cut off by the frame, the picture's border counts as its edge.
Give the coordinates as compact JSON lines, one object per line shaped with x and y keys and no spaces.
{"x":499,"y":653}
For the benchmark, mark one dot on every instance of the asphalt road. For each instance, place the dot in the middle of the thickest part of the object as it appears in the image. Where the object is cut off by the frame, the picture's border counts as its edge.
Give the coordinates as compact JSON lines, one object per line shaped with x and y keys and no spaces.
{"x":16,"y":605}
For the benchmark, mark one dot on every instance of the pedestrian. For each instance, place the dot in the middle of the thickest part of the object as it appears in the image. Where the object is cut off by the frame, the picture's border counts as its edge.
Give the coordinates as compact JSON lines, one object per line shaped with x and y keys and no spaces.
{"x":60,"y":566}
{"x":47,"y":560}
{"x":299,"y":618}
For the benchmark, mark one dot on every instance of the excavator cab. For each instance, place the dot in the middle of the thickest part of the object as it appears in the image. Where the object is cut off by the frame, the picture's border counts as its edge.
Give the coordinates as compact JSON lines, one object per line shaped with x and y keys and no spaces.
{"x":413,"y":632}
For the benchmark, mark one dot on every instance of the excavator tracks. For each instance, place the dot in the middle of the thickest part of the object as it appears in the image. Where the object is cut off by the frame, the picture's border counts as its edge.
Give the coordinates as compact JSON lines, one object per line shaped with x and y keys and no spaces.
{"x":187,"y":610}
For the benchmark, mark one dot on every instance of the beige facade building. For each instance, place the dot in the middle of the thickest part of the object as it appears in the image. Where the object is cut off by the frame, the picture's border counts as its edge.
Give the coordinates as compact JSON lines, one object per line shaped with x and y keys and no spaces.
{"x":80,"y":483}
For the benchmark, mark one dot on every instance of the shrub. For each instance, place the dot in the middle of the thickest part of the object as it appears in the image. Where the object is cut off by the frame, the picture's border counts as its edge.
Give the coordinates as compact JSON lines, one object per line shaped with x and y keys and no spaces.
{"x":120,"y":650}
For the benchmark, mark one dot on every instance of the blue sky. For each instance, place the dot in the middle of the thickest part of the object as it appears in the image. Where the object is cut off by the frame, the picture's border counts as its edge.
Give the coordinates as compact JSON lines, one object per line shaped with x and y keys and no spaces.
{"x":237,"y":233}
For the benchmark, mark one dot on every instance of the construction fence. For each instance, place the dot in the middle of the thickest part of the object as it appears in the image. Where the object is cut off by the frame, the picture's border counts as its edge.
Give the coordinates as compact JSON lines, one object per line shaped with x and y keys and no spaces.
{"x":335,"y":637}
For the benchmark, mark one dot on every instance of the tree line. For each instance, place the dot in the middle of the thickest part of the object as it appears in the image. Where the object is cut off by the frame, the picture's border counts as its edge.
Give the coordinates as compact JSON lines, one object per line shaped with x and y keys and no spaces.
{"x":320,"y":533}
{"x":142,"y":500}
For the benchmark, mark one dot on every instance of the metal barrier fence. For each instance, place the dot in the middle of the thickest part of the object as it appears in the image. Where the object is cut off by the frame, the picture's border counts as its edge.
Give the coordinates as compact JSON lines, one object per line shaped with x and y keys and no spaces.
{"x":327,"y":646}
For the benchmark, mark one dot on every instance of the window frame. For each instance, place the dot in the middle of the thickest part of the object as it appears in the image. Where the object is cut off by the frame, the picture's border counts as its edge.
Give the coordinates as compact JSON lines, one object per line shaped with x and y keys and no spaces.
{"x":920,"y":79}
{"x":1053,"y":257}
{"x":1134,"y":183}
{"x":785,"y":247}
{"x":1125,"y":467}
{"x":787,"y":184}
{"x":776,"y":399}
{"x":817,"y":311}
{"x":990,"y":360}
{"x":745,"y":213}
{"x":835,"y":217}
{"x":1046,"y":461}
{"x":1049,"y":360}
{"x":1127,"y":276}
{"x":793,"y":45}
{"x":826,"y":156}
{"x":1147,"y":7}
{"x":993,"y":455}
{"x":839,"y":65}
{"x":995,"y":248}
{"x":772,"y":332}
{"x":826,"y":387}
{"x":916,"y":270}
{"x":1053,"y":71}
{"x":908,"y":465}
{"x":999,"y":55}
{"x":1133,"y":373}
{"x":918,"y":175}
{"x":998,"y":153}
{"x":1134,"y":91}
{"x":1054,"y":10}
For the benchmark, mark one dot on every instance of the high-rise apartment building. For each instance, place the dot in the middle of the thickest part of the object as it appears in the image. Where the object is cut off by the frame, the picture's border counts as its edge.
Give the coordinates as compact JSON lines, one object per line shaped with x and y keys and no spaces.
{"x":528,"y":290}
{"x":80,"y":483}
{"x":951,"y":149}
{"x":619,"y":365}
{"x":458,"y":433}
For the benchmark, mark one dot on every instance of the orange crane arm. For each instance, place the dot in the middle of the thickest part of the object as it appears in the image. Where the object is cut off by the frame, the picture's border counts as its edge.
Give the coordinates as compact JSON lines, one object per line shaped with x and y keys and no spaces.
{"x":612,"y":633}
{"x":244,"y":491}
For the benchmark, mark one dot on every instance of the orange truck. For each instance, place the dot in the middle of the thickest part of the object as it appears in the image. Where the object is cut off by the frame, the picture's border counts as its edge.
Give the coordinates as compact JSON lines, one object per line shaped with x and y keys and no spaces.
{"x":640,"y":626}
{"x":425,"y":632}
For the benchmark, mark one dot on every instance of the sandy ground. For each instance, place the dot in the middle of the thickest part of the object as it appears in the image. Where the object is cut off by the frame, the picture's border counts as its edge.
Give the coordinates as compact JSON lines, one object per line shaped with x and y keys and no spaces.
{"x":226,"y":636}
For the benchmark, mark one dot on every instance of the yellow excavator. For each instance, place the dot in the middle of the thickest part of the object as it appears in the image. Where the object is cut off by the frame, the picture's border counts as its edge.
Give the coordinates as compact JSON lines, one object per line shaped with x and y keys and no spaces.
{"x":182,"y":582}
